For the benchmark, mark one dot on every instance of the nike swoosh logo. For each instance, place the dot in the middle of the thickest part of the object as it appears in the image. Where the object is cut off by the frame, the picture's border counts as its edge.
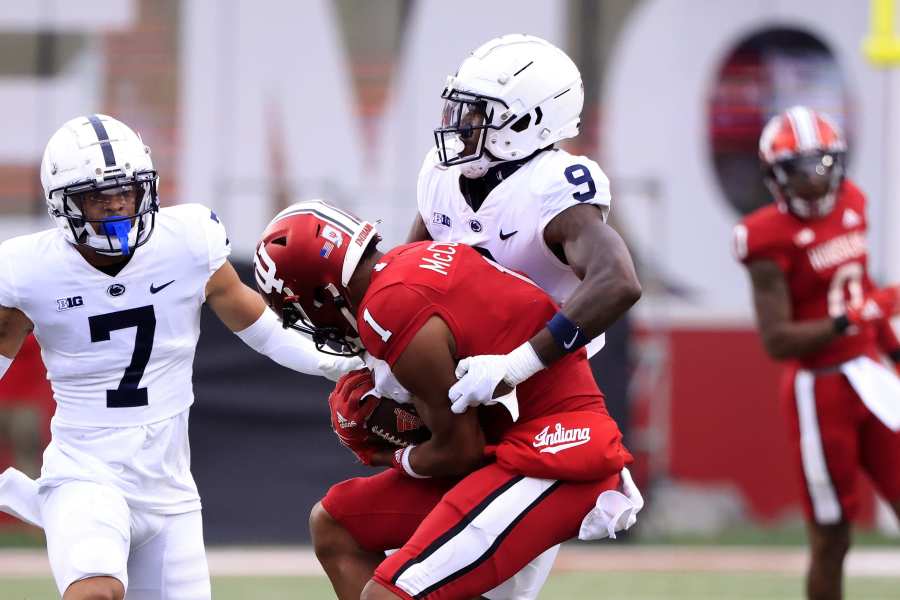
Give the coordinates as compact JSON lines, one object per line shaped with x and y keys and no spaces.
{"x":570,"y":343}
{"x":505,"y":236}
{"x":561,"y":447}
{"x":154,"y":289}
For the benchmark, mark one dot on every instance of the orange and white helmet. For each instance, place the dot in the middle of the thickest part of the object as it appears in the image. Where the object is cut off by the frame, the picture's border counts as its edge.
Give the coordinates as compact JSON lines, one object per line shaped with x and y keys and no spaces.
{"x":802,"y":152}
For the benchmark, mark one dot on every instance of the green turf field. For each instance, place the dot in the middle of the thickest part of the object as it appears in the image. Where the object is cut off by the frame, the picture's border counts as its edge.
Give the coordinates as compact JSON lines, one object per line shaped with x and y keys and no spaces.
{"x":564,"y":586}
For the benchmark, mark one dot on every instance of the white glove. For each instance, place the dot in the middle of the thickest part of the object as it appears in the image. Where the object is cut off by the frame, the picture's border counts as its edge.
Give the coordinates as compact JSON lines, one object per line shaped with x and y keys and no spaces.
{"x":615,"y":510}
{"x":479,"y":376}
{"x":386,"y":384}
{"x":334,"y":367}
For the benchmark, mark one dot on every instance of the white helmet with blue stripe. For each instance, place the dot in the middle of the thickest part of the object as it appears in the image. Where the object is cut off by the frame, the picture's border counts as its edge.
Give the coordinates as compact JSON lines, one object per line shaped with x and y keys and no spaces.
{"x":92,"y":154}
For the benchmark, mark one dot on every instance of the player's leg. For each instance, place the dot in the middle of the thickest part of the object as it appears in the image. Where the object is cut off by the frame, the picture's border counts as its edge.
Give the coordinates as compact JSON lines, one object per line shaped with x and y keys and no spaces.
{"x":880,"y":452}
{"x":96,"y":588}
{"x":825,"y":417}
{"x":88,"y":537}
{"x":527,"y":583}
{"x":361,"y":518}
{"x":828,"y":545}
{"x":346,"y":563}
{"x":168,"y":558}
{"x":483,"y":531}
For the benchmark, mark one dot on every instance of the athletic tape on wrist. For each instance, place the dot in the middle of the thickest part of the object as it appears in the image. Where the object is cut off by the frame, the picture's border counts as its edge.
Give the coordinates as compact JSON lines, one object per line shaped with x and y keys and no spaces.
{"x":522,"y":363}
{"x":402,"y":456}
{"x":567,"y":335}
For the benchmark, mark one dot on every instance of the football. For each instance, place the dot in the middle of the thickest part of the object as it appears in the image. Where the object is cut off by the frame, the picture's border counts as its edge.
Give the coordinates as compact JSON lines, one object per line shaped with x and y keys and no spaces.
{"x":397,"y":425}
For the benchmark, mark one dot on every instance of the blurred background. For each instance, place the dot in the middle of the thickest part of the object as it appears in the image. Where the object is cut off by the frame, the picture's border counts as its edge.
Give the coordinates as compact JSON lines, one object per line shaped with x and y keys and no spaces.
{"x":252,"y":105}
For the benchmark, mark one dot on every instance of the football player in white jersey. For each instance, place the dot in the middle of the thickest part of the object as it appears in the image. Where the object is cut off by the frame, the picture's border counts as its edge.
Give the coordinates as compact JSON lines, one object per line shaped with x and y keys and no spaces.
{"x":497,"y":181}
{"x":113,"y":295}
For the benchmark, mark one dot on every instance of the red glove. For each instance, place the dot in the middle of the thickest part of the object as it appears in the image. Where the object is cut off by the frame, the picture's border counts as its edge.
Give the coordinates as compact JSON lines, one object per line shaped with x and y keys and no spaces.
{"x":349,"y":412}
{"x":879,"y":304}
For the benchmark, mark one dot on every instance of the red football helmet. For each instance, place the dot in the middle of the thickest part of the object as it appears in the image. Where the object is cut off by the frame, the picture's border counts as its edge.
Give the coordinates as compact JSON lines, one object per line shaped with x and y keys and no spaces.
{"x":802,"y":153}
{"x":304,"y":261}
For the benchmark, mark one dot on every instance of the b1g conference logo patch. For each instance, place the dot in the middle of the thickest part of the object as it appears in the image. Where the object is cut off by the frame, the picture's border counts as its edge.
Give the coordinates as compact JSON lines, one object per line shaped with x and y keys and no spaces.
{"x":441,"y":219}
{"x":67,"y":303}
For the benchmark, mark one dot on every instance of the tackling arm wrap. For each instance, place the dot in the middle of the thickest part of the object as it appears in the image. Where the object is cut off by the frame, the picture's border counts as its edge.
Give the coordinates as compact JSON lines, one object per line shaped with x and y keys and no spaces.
{"x":292,"y":350}
{"x":4,"y":365}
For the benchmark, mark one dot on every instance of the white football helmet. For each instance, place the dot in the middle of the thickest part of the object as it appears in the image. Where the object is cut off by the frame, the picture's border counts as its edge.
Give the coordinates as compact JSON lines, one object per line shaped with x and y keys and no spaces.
{"x":92,"y":154}
{"x":513,"y":96}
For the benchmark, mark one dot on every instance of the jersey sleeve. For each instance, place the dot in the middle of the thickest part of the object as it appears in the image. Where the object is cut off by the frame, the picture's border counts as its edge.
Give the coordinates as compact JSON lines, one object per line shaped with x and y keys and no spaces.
{"x":209,"y":241}
{"x":562,"y":181}
{"x":8,"y":296}
{"x":217,"y":242}
{"x":749,"y":243}
{"x":390,"y":319}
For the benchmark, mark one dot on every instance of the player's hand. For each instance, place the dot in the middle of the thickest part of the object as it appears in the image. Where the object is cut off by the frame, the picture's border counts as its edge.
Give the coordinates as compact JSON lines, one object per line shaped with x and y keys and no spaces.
{"x":878,"y":304}
{"x":480,"y":376}
{"x":386,"y":385}
{"x":352,"y":403}
{"x":333,"y":367}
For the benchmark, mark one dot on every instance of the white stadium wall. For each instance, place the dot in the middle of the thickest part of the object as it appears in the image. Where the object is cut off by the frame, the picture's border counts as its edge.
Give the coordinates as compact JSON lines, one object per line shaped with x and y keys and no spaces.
{"x":655,"y":115}
{"x":702,"y":373}
{"x":253,"y":85}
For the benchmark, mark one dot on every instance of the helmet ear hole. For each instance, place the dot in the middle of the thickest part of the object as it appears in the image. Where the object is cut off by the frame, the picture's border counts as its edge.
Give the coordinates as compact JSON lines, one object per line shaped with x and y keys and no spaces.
{"x":521,"y":124}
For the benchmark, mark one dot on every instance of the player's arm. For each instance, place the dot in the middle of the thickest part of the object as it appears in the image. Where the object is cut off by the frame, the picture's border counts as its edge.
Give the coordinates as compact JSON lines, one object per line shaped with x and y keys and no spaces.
{"x":426,"y":369}
{"x":886,"y":335}
{"x":418,"y":232}
{"x":243,"y":311}
{"x":889,"y":342}
{"x":609,"y":285}
{"x":14,"y":328}
{"x":781,"y":336}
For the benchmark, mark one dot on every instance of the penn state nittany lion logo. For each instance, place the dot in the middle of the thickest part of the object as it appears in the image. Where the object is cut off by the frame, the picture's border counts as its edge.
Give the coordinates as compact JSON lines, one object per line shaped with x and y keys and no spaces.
{"x":116,"y":289}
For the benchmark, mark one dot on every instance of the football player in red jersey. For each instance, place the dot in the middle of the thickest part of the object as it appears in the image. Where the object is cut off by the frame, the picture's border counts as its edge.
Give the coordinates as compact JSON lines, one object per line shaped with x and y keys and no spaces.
{"x":485,"y":494}
{"x":820,"y":313}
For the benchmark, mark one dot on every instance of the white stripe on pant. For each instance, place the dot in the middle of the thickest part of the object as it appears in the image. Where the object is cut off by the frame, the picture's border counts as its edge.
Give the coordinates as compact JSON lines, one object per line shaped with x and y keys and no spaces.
{"x":826,"y":507}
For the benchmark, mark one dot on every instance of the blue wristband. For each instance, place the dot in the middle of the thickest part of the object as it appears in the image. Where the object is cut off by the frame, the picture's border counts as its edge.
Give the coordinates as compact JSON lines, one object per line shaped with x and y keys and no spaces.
{"x":567,"y":335}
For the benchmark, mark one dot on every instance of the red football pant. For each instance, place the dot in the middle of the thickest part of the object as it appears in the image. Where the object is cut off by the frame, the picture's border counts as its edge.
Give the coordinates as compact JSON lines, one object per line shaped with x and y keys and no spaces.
{"x":833,"y":435}
{"x":459,"y":539}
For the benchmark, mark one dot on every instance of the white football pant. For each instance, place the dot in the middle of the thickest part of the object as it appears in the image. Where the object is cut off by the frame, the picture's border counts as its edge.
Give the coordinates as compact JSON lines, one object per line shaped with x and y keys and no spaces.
{"x":91,"y":531}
